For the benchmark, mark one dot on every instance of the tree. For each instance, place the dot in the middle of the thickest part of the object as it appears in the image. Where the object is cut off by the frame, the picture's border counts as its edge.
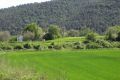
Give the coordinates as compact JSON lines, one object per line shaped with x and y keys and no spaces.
{"x":85,"y":31}
{"x":35,"y":29}
{"x":73,"y":33}
{"x":28,"y":36}
{"x":118,"y":38}
{"x":53,"y":32}
{"x":113,"y":33}
{"x":91,"y":37}
{"x":4,"y":36}
{"x":48,"y":36}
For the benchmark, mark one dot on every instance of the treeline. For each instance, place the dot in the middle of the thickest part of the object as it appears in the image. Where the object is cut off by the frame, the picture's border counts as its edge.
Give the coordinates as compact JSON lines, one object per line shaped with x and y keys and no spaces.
{"x":33,"y":33}
{"x":68,"y":14}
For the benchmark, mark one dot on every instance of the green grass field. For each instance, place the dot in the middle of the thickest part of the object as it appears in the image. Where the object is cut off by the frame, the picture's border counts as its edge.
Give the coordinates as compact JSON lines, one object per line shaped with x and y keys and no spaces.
{"x":99,"y":64}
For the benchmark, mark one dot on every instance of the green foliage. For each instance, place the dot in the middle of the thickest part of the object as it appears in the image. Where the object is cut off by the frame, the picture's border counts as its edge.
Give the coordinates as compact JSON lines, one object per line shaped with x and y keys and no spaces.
{"x":18,"y":47}
{"x":4,"y":36}
{"x":112,"y":33}
{"x":91,"y":37}
{"x":48,"y":36}
{"x":13,"y":39}
{"x":71,"y":14}
{"x":58,"y":47}
{"x":5,"y":46}
{"x":73,"y":33}
{"x":53,"y":33}
{"x":85,"y":31}
{"x":79,"y":45}
{"x":38,"y":47}
{"x":50,"y":47}
{"x":28,"y":36}
{"x":93,"y":45}
{"x":35,"y":29}
{"x":104,"y":44}
{"x":68,"y":45}
{"x":28,"y":46}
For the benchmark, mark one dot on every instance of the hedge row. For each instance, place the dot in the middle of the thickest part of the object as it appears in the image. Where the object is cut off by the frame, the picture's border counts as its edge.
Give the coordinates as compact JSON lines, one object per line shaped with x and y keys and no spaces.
{"x":75,"y":45}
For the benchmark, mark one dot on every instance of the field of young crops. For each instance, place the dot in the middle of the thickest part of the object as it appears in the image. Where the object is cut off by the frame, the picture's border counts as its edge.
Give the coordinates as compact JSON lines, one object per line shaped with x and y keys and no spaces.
{"x":60,"y":65}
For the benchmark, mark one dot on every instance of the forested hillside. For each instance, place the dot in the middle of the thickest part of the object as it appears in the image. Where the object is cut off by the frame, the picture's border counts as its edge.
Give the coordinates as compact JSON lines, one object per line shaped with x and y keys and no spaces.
{"x":70,"y":14}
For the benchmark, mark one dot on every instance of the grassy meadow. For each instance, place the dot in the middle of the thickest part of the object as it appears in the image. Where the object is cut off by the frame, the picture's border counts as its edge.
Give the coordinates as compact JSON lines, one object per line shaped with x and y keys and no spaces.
{"x":101,"y":64}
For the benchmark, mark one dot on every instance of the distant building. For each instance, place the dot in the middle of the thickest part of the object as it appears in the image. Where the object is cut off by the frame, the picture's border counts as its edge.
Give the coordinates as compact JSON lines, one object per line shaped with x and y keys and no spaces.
{"x":20,"y":38}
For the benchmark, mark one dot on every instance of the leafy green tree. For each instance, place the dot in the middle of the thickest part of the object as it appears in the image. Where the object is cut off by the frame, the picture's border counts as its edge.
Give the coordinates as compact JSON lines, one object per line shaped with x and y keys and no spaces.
{"x":73,"y":33}
{"x":113,"y":33}
{"x":85,"y":31}
{"x":53,"y":32}
{"x":35,"y":29}
{"x":91,"y":37}
{"x":118,"y":38}
{"x":48,"y":36}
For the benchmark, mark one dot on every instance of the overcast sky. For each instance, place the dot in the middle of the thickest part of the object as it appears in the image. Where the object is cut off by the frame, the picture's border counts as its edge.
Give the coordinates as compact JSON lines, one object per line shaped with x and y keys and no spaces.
{"x":9,"y":3}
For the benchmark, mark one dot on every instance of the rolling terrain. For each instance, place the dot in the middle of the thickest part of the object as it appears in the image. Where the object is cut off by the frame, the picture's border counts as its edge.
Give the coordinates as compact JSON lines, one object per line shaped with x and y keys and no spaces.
{"x":68,"y":14}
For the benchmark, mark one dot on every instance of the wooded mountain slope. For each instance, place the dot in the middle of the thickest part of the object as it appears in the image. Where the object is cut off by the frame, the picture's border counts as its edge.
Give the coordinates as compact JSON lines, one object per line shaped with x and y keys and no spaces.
{"x":71,"y":14}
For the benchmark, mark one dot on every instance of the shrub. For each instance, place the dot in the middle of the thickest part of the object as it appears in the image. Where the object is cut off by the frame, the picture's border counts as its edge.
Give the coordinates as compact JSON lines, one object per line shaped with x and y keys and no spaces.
{"x":8,"y":47}
{"x":28,"y":36}
{"x":27,"y":46}
{"x":52,"y":43}
{"x":78,"y":45}
{"x":104,"y":44}
{"x":58,"y":47}
{"x":50,"y":47}
{"x":13,"y":39}
{"x":18,"y":47}
{"x":38,"y":47}
{"x":86,"y":41}
{"x":35,"y":31}
{"x":113,"y":33}
{"x":48,"y":36}
{"x":73,"y":33}
{"x":53,"y":32}
{"x":4,"y":36}
{"x":91,"y":37}
{"x":116,"y":44}
{"x":67,"y":45}
{"x":93,"y":45}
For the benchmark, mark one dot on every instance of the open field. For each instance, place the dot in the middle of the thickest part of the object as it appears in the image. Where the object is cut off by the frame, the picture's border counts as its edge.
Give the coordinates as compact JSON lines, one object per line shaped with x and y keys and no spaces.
{"x":61,"y":65}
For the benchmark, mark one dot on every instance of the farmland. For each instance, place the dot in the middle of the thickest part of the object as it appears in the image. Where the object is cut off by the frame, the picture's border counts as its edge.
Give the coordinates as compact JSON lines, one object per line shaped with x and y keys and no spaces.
{"x":101,"y":64}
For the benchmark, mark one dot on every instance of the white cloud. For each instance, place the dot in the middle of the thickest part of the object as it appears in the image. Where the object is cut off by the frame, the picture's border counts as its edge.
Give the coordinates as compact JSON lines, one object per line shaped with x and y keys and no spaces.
{"x":9,"y":3}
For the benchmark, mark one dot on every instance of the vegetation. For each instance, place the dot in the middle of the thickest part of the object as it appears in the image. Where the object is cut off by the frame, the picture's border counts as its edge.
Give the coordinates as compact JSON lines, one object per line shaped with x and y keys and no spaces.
{"x":60,"y":40}
{"x":53,"y":33}
{"x":28,"y":36}
{"x":4,"y":36}
{"x":71,"y":14}
{"x":73,"y":33}
{"x":60,"y":65}
{"x":36,"y":31}
{"x":113,"y":33}
{"x":54,"y":39}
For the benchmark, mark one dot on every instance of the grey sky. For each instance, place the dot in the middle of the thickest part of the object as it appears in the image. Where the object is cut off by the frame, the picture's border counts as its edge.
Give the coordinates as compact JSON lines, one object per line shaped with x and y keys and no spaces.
{"x":9,"y":3}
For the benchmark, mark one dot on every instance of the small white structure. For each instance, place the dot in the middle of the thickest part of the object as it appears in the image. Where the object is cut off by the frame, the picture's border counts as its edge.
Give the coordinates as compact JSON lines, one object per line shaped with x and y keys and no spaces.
{"x":20,"y":38}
